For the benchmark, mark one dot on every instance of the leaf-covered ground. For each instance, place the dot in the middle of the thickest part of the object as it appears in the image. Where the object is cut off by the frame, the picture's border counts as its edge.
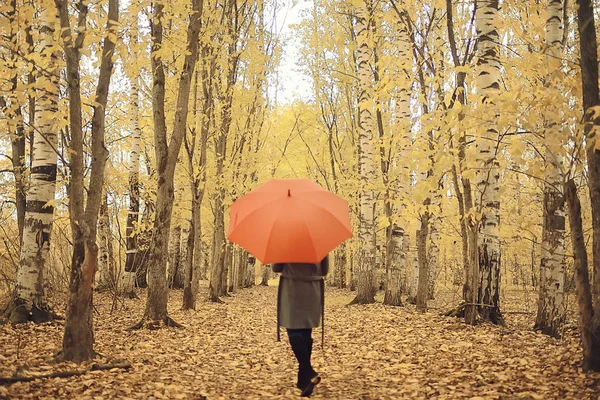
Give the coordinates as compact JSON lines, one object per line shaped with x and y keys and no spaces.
{"x":228,"y":351}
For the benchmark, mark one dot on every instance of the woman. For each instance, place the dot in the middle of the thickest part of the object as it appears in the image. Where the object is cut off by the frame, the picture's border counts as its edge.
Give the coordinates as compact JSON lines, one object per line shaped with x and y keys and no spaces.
{"x":300,"y":306}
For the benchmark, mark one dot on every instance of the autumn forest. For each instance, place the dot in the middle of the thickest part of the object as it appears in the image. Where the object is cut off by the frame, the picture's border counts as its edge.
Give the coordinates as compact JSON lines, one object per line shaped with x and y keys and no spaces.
{"x":462,"y":134}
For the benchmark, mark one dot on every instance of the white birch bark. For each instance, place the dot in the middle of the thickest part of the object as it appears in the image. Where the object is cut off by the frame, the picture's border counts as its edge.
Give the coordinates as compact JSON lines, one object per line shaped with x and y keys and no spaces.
{"x":401,"y":168}
{"x":433,"y":252}
{"x":394,"y":267}
{"x":102,"y":277}
{"x":29,"y":291}
{"x":551,"y":310}
{"x":488,"y":173}
{"x":366,"y":263}
{"x":134,"y":171}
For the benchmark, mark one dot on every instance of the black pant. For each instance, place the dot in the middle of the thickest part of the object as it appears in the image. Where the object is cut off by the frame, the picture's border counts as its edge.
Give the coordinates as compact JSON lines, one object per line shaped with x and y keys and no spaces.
{"x":306,"y":334}
{"x":301,"y":342}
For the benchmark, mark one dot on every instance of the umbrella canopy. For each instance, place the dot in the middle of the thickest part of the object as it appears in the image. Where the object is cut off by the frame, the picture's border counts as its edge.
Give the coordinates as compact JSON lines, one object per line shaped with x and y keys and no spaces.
{"x":289,"y":220}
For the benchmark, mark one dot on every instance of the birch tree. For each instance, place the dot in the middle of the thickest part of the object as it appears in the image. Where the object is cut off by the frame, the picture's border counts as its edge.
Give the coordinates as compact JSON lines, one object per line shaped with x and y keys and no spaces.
{"x":132,"y":259}
{"x":551,"y":309}
{"x":29,"y":299}
{"x":366,"y":263}
{"x":488,"y":174}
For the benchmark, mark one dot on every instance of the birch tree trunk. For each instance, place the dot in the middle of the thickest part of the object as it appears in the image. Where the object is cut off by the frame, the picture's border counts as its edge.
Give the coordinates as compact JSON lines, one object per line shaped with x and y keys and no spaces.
{"x":167,"y":154}
{"x":462,"y":184}
{"x":394,"y":266}
{"x":551,"y":309}
{"x":102,"y":277}
{"x":488,"y":174}
{"x":29,"y":299}
{"x":133,"y":212}
{"x":433,"y":253}
{"x":78,"y":339}
{"x":366,"y":260}
{"x":399,"y":186}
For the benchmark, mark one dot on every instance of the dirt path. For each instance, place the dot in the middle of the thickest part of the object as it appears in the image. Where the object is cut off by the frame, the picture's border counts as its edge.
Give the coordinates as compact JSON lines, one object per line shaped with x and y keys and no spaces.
{"x":228,"y":351}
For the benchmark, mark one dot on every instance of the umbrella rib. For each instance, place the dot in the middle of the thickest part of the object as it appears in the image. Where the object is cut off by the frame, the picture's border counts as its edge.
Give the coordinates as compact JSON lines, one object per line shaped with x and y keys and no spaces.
{"x":271,"y":230}
{"x":256,"y":209}
{"x":335,"y":218}
{"x":310,"y":235}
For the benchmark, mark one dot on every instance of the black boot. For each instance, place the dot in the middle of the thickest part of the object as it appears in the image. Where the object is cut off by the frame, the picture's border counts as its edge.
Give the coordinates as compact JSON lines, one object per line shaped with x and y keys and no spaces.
{"x":313,"y":376}
{"x":300,"y":350}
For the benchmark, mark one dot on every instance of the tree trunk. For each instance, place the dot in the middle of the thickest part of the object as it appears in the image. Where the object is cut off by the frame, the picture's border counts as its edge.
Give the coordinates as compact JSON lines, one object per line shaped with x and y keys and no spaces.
{"x":190,"y":283}
{"x":29,"y":300}
{"x":488,"y":174}
{"x":413,"y":260}
{"x":433,"y":254}
{"x":423,"y":267}
{"x":133,"y":212}
{"x":197,"y":182}
{"x":102,"y":276}
{"x":366,"y":288}
{"x":591,"y":99}
{"x":174,"y":261}
{"x":590,"y":336}
{"x":144,"y":242}
{"x":551,"y":311}
{"x":266,"y":274}
{"x":15,"y":123}
{"x":232,"y":270}
{"x":394,"y":266}
{"x":78,"y":340}
{"x":242,"y":267}
{"x":406,"y":260}
{"x":166,"y":155}
{"x":227,"y":265}
{"x":339,"y":267}
{"x":465,"y":200}
{"x":250,"y":279}
{"x":184,"y":255}
{"x":217,"y":287}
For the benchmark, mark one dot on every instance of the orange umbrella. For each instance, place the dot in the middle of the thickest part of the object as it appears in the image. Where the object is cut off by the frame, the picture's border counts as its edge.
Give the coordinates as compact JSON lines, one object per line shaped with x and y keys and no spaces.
{"x":289,"y":220}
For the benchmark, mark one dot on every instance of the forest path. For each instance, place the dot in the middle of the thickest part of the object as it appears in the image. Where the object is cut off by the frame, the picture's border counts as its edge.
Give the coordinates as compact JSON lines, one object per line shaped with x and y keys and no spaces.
{"x":228,"y":351}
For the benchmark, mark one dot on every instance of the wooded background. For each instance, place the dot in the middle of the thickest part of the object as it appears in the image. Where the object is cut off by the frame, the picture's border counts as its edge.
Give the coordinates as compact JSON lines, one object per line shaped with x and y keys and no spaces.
{"x":462,"y":134}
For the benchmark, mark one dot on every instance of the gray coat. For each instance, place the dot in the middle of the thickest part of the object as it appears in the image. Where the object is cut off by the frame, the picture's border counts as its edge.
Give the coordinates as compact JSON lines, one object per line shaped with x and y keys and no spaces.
{"x":301,"y":288}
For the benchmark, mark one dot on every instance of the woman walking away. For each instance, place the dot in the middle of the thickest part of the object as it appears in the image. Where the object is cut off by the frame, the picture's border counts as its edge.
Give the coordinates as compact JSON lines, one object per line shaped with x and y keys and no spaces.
{"x":300,"y":306}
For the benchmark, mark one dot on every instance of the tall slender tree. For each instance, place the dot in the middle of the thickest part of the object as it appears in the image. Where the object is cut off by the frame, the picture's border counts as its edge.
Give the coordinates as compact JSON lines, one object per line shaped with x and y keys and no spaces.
{"x":29,"y":299}
{"x":167,"y":152}
{"x":133,"y":212}
{"x":551,"y":308}
{"x":589,"y":310}
{"x":366,"y":263}
{"x":488,"y":175}
{"x":78,"y":339}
